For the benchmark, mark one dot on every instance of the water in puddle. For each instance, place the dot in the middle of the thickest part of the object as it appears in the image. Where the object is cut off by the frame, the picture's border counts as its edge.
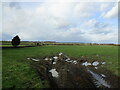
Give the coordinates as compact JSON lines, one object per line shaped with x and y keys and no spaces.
{"x":55,"y":57}
{"x":46,"y":59}
{"x":28,"y":58}
{"x":103,"y":75}
{"x":103,"y":62}
{"x":71,"y":61}
{"x":99,"y":81}
{"x":54,"y":73}
{"x":34,"y":59}
{"x":96,"y":67}
{"x":60,"y":54}
{"x":54,"y":62}
{"x":86,"y":64}
{"x":50,"y":59}
{"x":68,"y":60}
{"x":95,"y":63}
{"x":74,"y":62}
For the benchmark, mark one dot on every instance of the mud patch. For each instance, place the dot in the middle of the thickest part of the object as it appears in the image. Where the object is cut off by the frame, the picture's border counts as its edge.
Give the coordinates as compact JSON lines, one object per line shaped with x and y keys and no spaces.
{"x":64,"y":72}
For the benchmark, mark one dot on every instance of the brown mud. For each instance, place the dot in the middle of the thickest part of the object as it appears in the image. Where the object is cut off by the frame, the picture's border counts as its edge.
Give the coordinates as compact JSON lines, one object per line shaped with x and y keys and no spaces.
{"x":64,"y":72}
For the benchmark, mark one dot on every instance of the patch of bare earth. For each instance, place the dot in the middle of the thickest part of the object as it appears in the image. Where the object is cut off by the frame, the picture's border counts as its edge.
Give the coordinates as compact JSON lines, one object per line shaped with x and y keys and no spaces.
{"x":64,"y":72}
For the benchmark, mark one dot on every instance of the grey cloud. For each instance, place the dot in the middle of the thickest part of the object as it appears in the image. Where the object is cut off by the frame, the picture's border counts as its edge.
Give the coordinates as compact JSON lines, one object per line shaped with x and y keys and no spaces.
{"x":102,"y":28}
{"x":15,"y":5}
{"x":42,"y":25}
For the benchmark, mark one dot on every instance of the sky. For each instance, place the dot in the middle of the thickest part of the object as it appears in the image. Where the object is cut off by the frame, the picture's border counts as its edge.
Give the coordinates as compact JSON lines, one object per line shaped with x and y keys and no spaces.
{"x":95,"y":22}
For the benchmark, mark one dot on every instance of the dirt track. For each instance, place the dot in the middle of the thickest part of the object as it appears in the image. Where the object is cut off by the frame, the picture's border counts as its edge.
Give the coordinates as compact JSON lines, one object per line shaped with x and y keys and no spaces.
{"x":64,"y":72}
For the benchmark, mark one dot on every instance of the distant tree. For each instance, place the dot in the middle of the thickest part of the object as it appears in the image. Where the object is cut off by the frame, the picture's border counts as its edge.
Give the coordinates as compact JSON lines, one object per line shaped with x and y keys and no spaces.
{"x":37,"y":44}
{"x":15,"y":41}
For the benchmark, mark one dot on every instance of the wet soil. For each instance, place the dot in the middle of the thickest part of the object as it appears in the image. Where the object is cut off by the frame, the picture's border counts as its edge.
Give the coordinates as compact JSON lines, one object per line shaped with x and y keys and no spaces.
{"x":64,"y":72}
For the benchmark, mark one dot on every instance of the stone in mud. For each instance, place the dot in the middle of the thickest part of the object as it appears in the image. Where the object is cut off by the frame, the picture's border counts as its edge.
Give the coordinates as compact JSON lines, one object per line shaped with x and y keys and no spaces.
{"x":54,"y":73}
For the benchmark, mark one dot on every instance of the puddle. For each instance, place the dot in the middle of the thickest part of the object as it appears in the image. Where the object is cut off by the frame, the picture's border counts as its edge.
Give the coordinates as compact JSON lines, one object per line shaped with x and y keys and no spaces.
{"x":54,"y":73}
{"x":68,"y":60}
{"x":95,"y":63}
{"x":60,"y":54}
{"x":46,"y":59}
{"x":54,"y":62}
{"x":71,"y":61}
{"x":103,"y":75}
{"x":50,"y":59}
{"x":96,"y":67}
{"x":99,"y":81}
{"x":33,"y":59}
{"x":28,"y":58}
{"x":86,"y":64}
{"x":74,"y":62}
{"x":55,"y":57}
{"x":103,"y":62}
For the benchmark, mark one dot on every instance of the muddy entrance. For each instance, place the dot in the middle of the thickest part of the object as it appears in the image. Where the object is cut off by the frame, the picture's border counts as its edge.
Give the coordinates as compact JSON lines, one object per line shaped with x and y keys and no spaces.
{"x":64,"y":72}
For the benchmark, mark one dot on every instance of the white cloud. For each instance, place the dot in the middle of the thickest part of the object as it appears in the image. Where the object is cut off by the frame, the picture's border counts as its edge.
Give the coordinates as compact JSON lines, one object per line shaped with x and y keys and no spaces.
{"x":59,"y":0}
{"x":90,"y":23}
{"x":110,"y":37}
{"x":100,"y":31}
{"x":85,"y":10}
{"x":105,"y":6}
{"x":112,"y":13}
{"x":57,"y":21}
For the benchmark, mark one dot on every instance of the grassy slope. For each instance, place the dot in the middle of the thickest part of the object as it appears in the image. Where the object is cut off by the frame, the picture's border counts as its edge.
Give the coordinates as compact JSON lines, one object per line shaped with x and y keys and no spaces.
{"x":16,"y":69}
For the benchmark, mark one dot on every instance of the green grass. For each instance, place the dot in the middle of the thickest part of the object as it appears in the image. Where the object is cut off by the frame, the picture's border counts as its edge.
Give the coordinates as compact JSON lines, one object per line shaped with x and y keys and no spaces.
{"x":17,"y":71}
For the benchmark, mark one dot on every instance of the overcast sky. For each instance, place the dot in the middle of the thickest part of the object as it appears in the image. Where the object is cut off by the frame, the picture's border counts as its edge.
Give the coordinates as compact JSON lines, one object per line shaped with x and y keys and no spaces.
{"x":61,"y":21}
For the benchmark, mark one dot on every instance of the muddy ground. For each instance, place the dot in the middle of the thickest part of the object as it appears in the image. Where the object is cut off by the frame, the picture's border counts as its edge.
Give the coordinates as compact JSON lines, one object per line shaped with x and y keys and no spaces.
{"x":64,"y":72}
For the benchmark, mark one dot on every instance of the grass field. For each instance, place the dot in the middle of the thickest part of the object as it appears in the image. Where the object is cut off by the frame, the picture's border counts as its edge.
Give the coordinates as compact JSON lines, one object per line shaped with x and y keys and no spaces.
{"x":11,"y":45}
{"x":17,"y":71}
